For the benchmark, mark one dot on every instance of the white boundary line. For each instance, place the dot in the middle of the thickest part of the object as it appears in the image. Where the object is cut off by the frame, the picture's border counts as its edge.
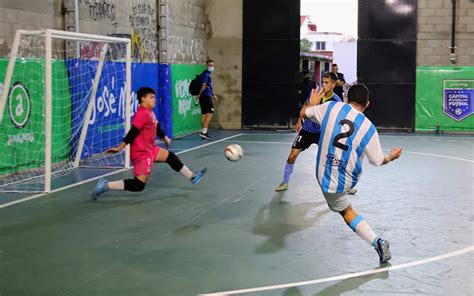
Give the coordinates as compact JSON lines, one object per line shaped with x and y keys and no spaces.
{"x":211,"y":143}
{"x":101,"y":176}
{"x":404,"y":151}
{"x":191,"y":149}
{"x":438,"y":155}
{"x":262,"y":142}
{"x":59,"y":189}
{"x":345,"y":276}
{"x":357,"y":274}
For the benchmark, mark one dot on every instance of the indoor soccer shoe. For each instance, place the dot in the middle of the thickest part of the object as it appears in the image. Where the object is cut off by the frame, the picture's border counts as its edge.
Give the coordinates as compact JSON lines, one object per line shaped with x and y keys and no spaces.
{"x":100,"y":188}
{"x":205,"y":136}
{"x":197,"y":176}
{"x":383,"y":249}
{"x":282,"y":187}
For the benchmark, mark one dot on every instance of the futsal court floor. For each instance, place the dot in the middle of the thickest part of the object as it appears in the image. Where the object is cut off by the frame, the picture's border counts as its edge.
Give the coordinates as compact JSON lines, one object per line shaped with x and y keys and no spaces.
{"x":232,"y":234}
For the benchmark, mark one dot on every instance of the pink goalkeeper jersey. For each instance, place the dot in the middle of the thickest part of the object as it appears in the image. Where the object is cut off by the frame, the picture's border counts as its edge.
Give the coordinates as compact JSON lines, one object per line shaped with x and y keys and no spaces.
{"x":144,"y":143}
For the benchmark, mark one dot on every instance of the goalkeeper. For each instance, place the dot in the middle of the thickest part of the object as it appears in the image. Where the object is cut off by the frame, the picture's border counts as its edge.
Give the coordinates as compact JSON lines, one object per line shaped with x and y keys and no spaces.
{"x":144,"y":153}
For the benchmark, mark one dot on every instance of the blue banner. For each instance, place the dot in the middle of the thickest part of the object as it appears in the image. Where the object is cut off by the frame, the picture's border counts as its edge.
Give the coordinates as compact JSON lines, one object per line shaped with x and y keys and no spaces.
{"x":106,"y":126}
{"x":458,"y":98}
{"x":165,"y":98}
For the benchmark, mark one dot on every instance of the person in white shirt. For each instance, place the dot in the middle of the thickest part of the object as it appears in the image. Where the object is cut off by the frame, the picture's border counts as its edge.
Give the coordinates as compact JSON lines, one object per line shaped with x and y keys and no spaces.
{"x":346,"y":136}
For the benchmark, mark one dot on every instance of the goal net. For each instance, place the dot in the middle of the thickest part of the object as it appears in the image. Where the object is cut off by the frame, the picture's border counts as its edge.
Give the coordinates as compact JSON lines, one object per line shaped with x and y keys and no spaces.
{"x":65,"y":99}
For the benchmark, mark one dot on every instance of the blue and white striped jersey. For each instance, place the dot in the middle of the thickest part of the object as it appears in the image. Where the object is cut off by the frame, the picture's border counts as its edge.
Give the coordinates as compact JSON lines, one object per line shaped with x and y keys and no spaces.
{"x":311,"y":126}
{"x":346,"y":136}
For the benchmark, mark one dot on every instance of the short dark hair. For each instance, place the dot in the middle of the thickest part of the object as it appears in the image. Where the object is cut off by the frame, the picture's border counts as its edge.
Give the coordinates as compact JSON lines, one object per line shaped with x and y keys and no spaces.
{"x":358,"y":93}
{"x":143,"y":91}
{"x":209,"y":61}
{"x":334,"y":65}
{"x":330,"y":75}
{"x":305,"y":72}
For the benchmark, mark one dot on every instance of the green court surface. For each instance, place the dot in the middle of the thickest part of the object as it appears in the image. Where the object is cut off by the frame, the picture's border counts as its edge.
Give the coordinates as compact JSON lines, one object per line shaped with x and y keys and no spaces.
{"x":232,"y":231}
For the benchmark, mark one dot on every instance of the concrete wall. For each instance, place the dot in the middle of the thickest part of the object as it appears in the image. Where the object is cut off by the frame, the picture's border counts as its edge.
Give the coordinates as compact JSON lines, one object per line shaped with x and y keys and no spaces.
{"x":225,"y":48}
{"x":187,"y":25}
{"x":25,"y":14}
{"x":434,"y":32}
{"x":135,"y":19}
{"x":188,"y":30}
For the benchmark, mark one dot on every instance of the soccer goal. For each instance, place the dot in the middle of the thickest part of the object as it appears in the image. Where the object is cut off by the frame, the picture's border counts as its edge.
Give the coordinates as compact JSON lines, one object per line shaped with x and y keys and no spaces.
{"x":65,"y":99}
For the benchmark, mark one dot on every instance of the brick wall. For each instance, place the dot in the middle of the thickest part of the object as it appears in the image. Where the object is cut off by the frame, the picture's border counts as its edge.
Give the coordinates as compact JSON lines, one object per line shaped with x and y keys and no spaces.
{"x":434,"y":32}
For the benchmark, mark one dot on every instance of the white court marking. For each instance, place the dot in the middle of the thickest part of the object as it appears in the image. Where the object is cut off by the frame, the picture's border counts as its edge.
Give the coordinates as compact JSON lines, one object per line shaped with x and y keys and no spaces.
{"x":356,"y":274}
{"x":404,"y":151}
{"x":106,"y":175}
{"x":345,"y":276}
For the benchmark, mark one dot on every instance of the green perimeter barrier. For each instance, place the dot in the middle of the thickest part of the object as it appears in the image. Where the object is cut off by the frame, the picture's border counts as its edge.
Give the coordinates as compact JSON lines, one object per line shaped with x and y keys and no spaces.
{"x":22,"y":128}
{"x":444,"y":99}
{"x":186,"y":109}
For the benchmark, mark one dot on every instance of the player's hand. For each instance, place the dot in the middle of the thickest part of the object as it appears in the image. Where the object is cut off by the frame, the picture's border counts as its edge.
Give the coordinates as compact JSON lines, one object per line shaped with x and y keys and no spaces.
{"x":215,"y":98}
{"x":113,"y":150}
{"x":395,"y":153}
{"x":316,"y":96}
{"x":167,"y":141}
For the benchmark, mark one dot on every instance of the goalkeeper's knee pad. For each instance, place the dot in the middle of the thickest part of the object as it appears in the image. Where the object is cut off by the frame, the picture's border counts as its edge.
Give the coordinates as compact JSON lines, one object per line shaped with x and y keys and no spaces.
{"x":134,"y":185}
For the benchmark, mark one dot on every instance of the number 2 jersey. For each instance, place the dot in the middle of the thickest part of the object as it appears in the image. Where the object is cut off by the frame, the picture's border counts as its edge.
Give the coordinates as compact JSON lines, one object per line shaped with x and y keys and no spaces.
{"x":346,"y":136}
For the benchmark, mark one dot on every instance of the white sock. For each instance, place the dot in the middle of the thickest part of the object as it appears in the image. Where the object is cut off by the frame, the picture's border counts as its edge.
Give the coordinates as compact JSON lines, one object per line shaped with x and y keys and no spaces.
{"x":365,"y":232}
{"x":362,"y":229}
{"x":204,"y":130}
{"x":116,"y":185}
{"x":185,"y":171}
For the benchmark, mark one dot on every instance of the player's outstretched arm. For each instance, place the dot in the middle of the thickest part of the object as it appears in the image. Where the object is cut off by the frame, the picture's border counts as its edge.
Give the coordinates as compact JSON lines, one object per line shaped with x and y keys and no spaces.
{"x":162,"y":135}
{"x":117,"y":148}
{"x":129,"y":138}
{"x":395,"y":153}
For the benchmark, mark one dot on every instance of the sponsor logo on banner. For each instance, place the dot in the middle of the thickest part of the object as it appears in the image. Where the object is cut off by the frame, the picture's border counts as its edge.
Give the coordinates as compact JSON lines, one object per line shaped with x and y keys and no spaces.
{"x":107,"y":104}
{"x":458,"y":96}
{"x":19,"y":105}
{"x":185,"y":99}
{"x":19,"y":109}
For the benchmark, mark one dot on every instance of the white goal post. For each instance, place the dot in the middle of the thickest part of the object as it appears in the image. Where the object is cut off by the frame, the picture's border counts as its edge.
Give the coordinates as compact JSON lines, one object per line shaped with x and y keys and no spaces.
{"x":31,"y":160}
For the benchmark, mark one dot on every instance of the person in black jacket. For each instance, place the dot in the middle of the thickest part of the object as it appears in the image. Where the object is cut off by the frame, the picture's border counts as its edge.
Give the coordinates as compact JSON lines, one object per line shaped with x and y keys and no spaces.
{"x":340,"y":81}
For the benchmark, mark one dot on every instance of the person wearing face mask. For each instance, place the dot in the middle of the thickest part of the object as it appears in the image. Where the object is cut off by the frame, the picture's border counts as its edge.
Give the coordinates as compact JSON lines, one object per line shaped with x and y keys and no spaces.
{"x":206,"y":97}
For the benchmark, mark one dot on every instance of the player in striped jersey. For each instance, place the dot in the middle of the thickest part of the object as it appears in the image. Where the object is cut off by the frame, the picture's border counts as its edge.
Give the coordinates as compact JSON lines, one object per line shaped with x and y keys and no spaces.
{"x":346,"y":136}
{"x":308,"y":131}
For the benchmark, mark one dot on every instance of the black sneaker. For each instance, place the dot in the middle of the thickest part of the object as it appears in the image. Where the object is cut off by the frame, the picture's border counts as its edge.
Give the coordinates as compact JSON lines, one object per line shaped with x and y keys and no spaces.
{"x":383,"y":249}
{"x":205,"y":136}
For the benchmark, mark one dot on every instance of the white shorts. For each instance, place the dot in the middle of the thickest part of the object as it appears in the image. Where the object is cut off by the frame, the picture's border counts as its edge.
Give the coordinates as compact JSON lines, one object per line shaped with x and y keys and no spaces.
{"x":337,"y":202}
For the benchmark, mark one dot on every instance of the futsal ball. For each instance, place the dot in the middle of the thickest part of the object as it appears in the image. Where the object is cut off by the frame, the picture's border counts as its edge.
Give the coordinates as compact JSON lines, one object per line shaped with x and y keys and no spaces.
{"x":233,"y":152}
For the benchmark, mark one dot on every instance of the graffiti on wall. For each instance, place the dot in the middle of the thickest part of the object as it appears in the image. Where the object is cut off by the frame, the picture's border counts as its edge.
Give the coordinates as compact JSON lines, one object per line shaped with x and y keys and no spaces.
{"x":101,"y":10}
{"x":115,"y":51}
{"x":184,"y":50}
{"x":144,"y":34}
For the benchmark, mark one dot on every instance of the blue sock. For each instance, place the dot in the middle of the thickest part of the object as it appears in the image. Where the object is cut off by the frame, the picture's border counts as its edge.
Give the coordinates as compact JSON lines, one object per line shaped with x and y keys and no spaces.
{"x":374,"y":242}
{"x":288,"y":172}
